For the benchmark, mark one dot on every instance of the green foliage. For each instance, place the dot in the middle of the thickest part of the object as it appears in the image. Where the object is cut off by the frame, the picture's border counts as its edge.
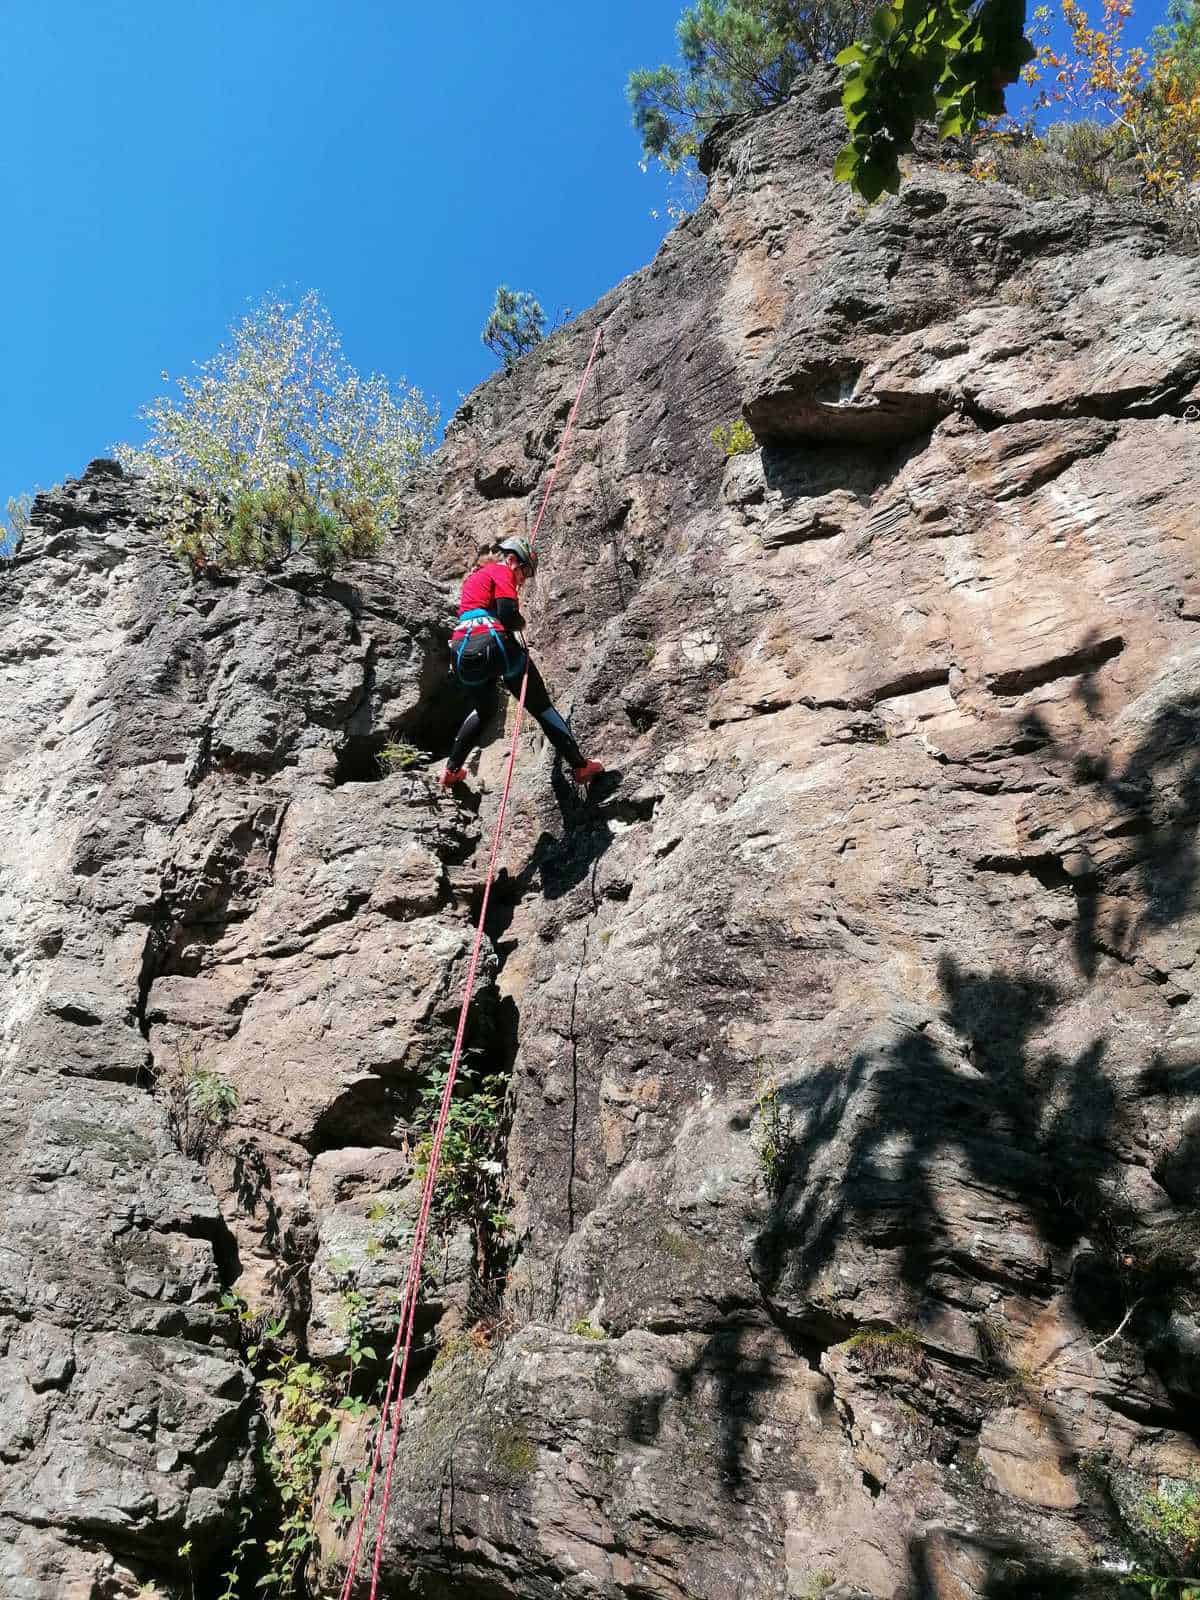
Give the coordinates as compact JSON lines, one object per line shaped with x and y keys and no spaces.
{"x":255,"y":1329}
{"x":468,"y":1180}
{"x":352,"y":1314}
{"x":212,"y":1097}
{"x":391,"y":1228}
{"x":200,"y":1104}
{"x":1165,"y":1520}
{"x":1070,"y":158}
{"x":516,"y":323}
{"x":877,"y":1352}
{"x":773,"y":1138}
{"x":734,"y":438}
{"x":925,"y":59}
{"x":737,"y":56}
{"x":1179,"y":37}
{"x":305,"y":1407}
{"x":232,"y":1576}
{"x":281,"y":404}
{"x":818,"y":1583}
{"x":1153,"y":98}
{"x":261,"y":528}
{"x":1159,"y":1586}
{"x":301,"y":1409}
{"x":584,"y":1328}
{"x":398,"y":756}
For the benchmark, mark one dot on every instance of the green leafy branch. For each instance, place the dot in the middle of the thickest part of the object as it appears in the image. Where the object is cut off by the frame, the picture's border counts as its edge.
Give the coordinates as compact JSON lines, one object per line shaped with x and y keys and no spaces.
{"x":469,"y":1171}
{"x":948,"y":61}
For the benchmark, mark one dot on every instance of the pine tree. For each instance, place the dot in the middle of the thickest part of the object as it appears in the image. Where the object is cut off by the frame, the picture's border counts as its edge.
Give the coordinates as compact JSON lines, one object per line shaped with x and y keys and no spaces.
{"x":517,"y":322}
{"x":736,"y":57}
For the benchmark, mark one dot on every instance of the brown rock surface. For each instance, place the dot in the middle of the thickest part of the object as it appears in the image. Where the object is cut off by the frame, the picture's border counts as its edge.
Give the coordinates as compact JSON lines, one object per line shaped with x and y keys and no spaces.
{"x":853,"y":1035}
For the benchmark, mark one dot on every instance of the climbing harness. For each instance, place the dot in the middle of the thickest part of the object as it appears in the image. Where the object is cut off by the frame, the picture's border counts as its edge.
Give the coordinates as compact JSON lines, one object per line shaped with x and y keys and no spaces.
{"x":483,"y":621}
{"x":391,"y":1411}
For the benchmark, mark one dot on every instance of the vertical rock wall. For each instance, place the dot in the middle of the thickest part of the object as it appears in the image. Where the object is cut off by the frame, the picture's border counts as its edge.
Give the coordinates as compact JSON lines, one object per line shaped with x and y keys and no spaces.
{"x":852,"y":1159}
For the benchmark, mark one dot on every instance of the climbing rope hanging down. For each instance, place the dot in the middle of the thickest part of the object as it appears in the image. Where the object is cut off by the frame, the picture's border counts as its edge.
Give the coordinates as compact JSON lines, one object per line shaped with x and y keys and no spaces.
{"x":393,"y":1400}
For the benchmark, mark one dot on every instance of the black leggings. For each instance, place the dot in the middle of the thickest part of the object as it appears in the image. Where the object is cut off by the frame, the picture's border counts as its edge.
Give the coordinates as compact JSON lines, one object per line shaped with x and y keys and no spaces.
{"x":479,"y":668}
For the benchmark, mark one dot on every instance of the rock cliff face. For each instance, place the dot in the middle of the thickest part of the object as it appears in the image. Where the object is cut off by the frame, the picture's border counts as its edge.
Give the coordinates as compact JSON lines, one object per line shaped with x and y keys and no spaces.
{"x":853,"y":1151}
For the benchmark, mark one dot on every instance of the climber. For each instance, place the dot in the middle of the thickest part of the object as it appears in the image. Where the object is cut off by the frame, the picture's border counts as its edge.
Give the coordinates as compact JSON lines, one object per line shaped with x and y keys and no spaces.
{"x":485,"y":649}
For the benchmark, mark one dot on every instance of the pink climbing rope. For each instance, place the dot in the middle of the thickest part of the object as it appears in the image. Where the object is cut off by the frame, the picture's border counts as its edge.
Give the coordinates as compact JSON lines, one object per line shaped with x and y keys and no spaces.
{"x":393,"y":1400}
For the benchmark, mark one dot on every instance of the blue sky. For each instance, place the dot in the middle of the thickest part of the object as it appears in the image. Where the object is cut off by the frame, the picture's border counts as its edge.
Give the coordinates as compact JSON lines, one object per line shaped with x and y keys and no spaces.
{"x":163,"y":165}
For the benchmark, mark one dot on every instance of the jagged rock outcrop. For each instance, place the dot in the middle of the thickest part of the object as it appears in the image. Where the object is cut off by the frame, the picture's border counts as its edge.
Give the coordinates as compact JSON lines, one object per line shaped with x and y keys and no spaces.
{"x":853,"y":1037}
{"x":195,"y":892}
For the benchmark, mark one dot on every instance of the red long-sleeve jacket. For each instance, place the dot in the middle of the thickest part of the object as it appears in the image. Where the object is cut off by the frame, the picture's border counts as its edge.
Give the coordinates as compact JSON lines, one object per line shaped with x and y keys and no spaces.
{"x":490,"y":588}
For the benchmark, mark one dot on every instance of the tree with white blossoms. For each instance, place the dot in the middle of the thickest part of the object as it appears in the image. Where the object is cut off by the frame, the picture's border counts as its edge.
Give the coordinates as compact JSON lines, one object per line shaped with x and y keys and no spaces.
{"x":14,"y":524}
{"x":277,"y":444}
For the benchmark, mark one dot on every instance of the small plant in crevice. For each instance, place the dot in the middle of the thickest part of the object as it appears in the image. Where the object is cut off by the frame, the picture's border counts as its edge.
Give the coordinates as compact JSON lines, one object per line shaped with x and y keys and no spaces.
{"x":200,"y":1105}
{"x":773,"y":1137}
{"x":585,"y":1328}
{"x":390,"y":1228}
{"x":877,"y":1352}
{"x":214,"y":1098}
{"x":254,"y":1329}
{"x":351,"y":1318}
{"x":469,"y":1170}
{"x":734,"y":438}
{"x":231,"y":1578}
{"x":184,"y":1553}
{"x":1010,"y":1383}
{"x":398,"y":756}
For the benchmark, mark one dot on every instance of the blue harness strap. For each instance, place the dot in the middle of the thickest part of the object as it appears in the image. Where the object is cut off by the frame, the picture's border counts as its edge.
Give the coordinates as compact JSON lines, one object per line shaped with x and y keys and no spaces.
{"x":476,"y":619}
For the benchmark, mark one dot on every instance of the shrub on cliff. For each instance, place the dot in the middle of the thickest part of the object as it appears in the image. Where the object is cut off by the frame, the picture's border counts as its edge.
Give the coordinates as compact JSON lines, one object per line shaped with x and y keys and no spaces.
{"x":1143,"y":107}
{"x":278,"y":443}
{"x":1071,"y":158}
{"x":261,"y":528}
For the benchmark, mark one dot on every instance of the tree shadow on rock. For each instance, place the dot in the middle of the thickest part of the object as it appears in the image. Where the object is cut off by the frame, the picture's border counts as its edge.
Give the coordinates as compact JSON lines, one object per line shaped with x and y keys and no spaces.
{"x":1000,"y":1568}
{"x":726,"y":1379}
{"x":1002,"y":1112}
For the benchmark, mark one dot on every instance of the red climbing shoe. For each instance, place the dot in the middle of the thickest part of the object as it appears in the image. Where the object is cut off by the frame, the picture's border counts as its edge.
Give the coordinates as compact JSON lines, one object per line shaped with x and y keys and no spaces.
{"x":453,"y":775}
{"x":586,"y":773}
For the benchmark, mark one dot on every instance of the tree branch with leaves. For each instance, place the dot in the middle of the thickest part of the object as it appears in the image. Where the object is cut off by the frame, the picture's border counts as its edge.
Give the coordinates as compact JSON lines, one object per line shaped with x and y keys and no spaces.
{"x":947,"y":61}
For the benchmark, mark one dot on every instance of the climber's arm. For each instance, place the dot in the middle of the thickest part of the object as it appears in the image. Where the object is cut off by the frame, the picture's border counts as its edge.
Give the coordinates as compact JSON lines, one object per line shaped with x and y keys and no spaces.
{"x":508,"y":613}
